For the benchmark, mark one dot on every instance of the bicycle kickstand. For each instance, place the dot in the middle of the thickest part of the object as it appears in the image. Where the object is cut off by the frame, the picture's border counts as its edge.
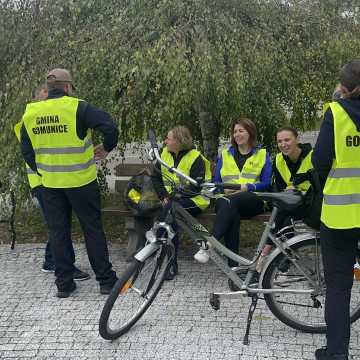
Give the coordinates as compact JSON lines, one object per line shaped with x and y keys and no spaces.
{"x":254,"y":300}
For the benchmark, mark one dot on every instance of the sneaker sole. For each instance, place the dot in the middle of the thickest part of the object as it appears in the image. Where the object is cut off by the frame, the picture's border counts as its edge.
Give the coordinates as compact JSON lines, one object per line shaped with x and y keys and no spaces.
{"x":201,"y":261}
{"x":65,"y":295}
{"x":47,"y":271}
{"x":82,"y":279}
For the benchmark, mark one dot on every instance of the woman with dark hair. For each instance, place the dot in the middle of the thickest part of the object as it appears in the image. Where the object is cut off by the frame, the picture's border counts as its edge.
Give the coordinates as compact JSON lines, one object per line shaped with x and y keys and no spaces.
{"x":336,"y":159}
{"x":247,"y":164}
{"x":293,"y":160}
{"x":179,"y":152}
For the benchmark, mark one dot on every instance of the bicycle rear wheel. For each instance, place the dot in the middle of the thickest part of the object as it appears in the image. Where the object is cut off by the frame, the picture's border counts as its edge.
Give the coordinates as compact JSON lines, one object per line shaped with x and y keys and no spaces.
{"x":303,"y":312}
{"x":133,"y":293}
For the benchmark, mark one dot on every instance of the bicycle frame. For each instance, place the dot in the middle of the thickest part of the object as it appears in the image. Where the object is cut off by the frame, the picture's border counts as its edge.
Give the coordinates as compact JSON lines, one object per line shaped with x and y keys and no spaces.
{"x":190,"y":224}
{"x":199,"y":233}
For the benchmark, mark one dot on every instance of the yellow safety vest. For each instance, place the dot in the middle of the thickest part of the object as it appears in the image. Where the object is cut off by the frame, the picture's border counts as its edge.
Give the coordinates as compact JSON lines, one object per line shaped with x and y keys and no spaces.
{"x":62,"y":158}
{"x":341,"y":204}
{"x":184,"y":166}
{"x":326,"y":107}
{"x":33,"y":178}
{"x":284,"y":171}
{"x":250,"y":172}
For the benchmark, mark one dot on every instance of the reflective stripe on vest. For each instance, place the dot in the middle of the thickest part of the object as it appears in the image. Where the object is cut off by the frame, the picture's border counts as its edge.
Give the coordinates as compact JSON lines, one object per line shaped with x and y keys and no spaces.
{"x":284,"y":171}
{"x":65,"y":168}
{"x":344,"y":173}
{"x":33,"y":178}
{"x":51,"y":126}
{"x":251,"y":170}
{"x":341,"y":204}
{"x":185,"y":166}
{"x":65,"y":150}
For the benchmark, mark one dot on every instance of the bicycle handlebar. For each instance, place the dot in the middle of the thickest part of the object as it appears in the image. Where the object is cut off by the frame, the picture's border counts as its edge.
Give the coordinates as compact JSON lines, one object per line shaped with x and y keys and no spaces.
{"x":202,"y":185}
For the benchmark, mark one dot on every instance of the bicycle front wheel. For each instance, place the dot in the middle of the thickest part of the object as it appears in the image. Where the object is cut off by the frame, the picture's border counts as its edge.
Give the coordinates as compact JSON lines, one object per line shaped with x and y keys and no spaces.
{"x":133,"y":293}
{"x":305,"y":312}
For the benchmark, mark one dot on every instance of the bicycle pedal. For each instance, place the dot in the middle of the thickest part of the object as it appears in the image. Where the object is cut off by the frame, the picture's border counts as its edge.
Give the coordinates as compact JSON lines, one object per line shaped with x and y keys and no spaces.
{"x":215,"y":301}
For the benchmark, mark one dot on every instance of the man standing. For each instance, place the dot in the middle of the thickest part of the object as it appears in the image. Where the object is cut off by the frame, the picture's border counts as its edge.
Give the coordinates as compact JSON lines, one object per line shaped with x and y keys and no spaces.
{"x":336,"y":157}
{"x":56,"y":143}
{"x":48,"y":266}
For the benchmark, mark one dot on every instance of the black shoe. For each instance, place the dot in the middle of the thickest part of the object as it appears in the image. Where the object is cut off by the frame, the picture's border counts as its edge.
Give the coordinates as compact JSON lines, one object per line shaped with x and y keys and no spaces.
{"x":171,"y":272}
{"x":48,"y":268}
{"x":106,"y":289}
{"x":80,"y":275}
{"x":322,"y":354}
{"x":66,"y":293}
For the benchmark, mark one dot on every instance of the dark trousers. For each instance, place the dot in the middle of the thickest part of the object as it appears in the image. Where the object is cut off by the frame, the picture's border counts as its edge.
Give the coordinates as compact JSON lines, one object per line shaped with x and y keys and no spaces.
{"x":86,"y":202}
{"x":190,"y":207}
{"x":229,"y":212}
{"x":339,"y":248}
{"x":49,"y":258}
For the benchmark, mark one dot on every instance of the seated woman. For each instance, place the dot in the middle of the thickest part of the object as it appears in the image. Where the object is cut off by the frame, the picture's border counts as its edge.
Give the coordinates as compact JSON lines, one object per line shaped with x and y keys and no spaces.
{"x":179,"y":152}
{"x":293,"y":159}
{"x":245,"y":163}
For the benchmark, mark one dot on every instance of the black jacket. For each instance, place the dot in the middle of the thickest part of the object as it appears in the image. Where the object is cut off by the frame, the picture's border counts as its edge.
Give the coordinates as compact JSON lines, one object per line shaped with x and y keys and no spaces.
{"x":87,"y":117}
{"x":324,"y":151}
{"x":197,"y":171}
{"x":278,"y":182}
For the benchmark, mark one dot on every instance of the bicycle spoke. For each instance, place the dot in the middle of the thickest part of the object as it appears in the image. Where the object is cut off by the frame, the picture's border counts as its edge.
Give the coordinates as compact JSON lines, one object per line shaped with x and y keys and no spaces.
{"x":297,"y":310}
{"x":136,"y":291}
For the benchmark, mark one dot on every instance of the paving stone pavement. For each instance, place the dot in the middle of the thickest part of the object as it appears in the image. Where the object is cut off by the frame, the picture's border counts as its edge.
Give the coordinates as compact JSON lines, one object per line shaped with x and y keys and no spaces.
{"x":34,"y":324}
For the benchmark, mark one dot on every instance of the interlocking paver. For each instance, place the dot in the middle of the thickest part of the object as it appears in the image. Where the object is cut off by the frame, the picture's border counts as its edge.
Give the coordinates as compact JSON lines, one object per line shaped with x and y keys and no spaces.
{"x":34,"y":324}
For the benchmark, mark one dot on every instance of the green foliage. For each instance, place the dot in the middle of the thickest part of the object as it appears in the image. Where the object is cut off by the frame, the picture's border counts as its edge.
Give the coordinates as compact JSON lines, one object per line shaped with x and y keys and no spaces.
{"x":164,"y":62}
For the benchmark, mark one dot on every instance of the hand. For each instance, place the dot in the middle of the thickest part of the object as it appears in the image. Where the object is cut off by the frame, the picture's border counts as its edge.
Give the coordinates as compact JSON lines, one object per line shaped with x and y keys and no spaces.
{"x":244,"y":188}
{"x":230,"y":191}
{"x":100,"y":153}
{"x":290,"y":188}
{"x":165,"y":201}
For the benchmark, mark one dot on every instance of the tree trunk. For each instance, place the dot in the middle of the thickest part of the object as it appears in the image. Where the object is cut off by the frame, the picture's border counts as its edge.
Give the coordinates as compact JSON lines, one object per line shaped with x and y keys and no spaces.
{"x":210,"y":135}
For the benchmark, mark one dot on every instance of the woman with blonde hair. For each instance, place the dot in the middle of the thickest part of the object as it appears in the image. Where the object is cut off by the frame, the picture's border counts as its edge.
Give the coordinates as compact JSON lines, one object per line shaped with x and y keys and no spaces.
{"x":179,"y":152}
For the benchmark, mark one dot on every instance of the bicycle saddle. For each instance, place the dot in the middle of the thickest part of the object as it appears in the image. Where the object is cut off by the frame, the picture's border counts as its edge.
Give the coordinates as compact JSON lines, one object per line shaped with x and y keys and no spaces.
{"x":288,"y":200}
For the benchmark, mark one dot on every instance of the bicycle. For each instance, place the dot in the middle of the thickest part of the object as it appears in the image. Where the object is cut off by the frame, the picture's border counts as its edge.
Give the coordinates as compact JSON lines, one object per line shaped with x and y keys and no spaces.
{"x":291,"y":279}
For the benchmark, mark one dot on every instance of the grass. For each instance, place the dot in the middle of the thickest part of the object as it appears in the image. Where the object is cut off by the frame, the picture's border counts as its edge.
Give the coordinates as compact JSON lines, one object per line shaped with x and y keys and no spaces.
{"x":31,"y":228}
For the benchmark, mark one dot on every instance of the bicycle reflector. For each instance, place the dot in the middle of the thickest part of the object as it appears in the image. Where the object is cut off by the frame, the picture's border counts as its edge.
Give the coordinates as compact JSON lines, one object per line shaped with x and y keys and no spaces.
{"x":126,"y":287}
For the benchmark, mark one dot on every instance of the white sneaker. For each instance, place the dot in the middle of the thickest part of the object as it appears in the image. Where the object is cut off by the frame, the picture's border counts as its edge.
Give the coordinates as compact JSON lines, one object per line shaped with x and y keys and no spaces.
{"x":201,"y":256}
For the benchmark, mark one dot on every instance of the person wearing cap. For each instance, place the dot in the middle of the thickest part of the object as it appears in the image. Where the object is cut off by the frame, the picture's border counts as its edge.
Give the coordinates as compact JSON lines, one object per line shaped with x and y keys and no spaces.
{"x":34,"y":179}
{"x":336,"y":159}
{"x":56,"y":143}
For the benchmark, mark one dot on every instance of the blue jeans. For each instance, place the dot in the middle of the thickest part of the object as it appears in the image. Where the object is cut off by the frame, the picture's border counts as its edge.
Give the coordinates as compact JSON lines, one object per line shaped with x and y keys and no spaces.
{"x":49,"y":258}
